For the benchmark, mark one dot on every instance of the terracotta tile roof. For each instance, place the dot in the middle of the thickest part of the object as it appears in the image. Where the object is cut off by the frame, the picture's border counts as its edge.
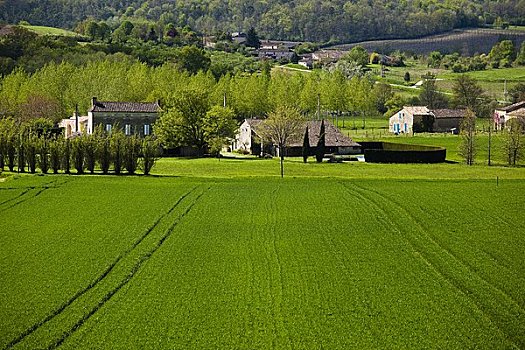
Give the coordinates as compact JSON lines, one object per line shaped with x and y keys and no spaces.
{"x":333,"y":136}
{"x":448,"y":113}
{"x":417,"y":110}
{"x":130,"y":107}
{"x":512,"y":107}
{"x":518,"y":113}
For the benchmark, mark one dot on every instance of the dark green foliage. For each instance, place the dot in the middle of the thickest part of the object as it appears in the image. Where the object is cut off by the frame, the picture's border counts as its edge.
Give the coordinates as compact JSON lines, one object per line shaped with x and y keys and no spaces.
{"x":66,"y":157}
{"x":320,"y":149}
{"x":132,"y":153}
{"x":118,"y":148}
{"x":11,"y":151}
{"x":78,"y":154}
{"x":407,"y":77}
{"x":306,"y":146}
{"x":43,"y":154}
{"x":90,"y":144}
{"x":358,"y":55}
{"x":192,"y":59}
{"x":517,"y":92}
{"x":430,"y":96}
{"x":55,"y":153}
{"x":467,"y":93}
{"x":31,"y":151}
{"x":252,"y":39}
{"x":150,"y":153}
{"x":104,"y":154}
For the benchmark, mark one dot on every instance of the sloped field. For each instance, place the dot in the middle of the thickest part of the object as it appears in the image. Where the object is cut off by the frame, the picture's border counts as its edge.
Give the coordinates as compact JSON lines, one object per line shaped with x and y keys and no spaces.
{"x":103,"y":262}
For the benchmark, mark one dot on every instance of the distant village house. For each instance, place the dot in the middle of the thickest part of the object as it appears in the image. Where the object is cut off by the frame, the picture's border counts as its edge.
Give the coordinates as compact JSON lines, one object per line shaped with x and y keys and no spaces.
{"x":504,"y":114}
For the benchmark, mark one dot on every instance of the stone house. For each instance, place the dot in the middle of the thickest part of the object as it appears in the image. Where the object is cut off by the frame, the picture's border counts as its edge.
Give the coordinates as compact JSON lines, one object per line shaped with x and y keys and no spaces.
{"x":249,"y":139}
{"x":132,"y":117}
{"x":503,"y":114}
{"x":403,"y":121}
{"x":421,"y":119}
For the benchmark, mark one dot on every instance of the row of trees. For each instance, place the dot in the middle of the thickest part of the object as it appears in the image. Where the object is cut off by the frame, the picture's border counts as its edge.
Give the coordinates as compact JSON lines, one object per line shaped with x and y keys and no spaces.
{"x":502,"y":54}
{"x":54,"y":90}
{"x":28,"y":147}
{"x":512,"y":140}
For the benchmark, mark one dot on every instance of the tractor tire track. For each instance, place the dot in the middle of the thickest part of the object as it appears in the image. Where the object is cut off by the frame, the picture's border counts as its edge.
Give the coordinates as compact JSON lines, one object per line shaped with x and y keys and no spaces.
{"x":96,"y":281}
{"x":277,"y":300}
{"x":136,"y":267}
{"x":40,"y":189}
{"x":447,"y":251}
{"x":455,"y":281}
{"x":16,"y":197}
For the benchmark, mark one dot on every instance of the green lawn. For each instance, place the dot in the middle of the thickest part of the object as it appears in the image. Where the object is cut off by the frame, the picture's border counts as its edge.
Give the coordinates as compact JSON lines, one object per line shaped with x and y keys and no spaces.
{"x":337,"y":259}
{"x":42,"y":30}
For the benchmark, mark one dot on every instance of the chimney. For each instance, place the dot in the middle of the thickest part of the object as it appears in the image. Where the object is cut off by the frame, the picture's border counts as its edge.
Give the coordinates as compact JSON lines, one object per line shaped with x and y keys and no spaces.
{"x":93,"y":101}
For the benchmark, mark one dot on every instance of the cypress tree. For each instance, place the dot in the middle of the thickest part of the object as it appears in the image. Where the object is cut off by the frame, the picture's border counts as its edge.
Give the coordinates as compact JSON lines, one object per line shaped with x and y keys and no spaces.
{"x":320,"y":149}
{"x":31,"y":151}
{"x":55,"y":154}
{"x":66,"y":156}
{"x":78,"y":151}
{"x":43,"y":155}
{"x":306,"y":146}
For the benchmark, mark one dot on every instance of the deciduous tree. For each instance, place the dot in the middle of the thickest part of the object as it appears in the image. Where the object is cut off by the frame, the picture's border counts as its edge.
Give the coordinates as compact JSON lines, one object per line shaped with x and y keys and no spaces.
{"x":467,"y":148}
{"x":282,"y":126}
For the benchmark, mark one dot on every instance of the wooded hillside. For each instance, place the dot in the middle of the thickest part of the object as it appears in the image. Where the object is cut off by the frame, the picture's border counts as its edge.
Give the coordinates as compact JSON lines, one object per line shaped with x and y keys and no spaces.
{"x":309,"y":20}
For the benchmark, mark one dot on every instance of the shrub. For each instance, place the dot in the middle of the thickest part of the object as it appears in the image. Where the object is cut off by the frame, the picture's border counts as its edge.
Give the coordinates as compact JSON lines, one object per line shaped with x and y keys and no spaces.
{"x":132,"y":148}
{"x":150,"y":153}
{"x":43,"y":155}
{"x":78,"y":153}
{"x":55,"y":154}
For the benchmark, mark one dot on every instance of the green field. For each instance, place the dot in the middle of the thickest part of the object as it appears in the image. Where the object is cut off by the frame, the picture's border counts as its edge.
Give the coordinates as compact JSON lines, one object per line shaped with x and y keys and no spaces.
{"x":43,"y":30}
{"x":225,"y":254}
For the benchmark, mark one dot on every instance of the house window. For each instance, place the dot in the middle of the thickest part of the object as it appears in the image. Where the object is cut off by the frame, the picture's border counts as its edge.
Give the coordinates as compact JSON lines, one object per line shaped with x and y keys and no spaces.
{"x":146,"y":129}
{"x":108,"y":127}
{"x":127,"y":129}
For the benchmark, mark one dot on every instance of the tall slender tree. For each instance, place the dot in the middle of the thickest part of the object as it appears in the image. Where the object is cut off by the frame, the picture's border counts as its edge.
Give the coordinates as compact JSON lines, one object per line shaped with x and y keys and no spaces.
{"x":321,"y":143}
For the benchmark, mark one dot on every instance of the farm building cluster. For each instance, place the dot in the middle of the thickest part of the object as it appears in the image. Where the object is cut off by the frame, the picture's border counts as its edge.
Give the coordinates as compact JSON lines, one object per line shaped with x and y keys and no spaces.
{"x":138,"y":118}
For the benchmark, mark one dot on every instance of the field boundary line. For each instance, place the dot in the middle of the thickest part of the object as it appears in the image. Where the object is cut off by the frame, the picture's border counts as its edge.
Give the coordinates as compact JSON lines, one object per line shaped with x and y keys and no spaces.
{"x":136,"y":267}
{"x":97,"y":280}
{"x":461,"y":284}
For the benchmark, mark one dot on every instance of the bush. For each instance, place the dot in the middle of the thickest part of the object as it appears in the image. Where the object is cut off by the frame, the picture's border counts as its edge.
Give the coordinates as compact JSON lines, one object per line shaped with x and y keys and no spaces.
{"x":78,"y":153}
{"x":132,"y":147}
{"x":43,"y":155}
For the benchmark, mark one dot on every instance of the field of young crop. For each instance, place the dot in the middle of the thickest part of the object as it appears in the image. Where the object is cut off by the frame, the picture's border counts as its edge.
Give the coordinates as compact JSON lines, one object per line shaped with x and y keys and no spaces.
{"x":261,"y":262}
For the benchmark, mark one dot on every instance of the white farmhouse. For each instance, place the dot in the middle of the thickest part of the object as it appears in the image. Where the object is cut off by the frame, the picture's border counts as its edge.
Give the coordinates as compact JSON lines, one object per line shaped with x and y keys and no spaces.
{"x":403,"y":121}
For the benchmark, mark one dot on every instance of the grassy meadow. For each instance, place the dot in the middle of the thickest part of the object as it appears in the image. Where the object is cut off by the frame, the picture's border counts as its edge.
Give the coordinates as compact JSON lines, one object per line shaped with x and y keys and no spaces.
{"x":223,"y":253}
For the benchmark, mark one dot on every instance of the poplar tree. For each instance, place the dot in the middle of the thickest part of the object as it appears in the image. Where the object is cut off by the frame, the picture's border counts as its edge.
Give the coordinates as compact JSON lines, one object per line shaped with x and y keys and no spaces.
{"x":306,"y":146}
{"x":320,"y":149}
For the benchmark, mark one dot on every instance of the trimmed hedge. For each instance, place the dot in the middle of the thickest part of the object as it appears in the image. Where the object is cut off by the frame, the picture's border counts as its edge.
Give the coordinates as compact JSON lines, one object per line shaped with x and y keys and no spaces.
{"x":387,"y":152}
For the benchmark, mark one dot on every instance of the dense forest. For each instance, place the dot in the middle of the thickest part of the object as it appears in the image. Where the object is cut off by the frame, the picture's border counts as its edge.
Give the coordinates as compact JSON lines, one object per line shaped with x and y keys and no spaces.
{"x":305,"y":20}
